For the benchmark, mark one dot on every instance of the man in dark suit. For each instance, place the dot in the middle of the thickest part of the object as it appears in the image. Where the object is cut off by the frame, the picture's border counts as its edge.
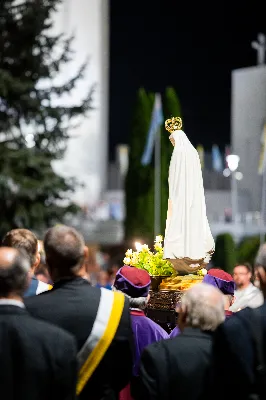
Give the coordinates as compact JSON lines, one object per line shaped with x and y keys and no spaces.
{"x":179,"y":368}
{"x":37,"y":360}
{"x":235,"y":350}
{"x":81,"y":309}
{"x":26,"y":240}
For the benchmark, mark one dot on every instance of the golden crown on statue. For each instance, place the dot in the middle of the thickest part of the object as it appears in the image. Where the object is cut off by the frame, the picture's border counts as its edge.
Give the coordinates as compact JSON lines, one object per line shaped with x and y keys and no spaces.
{"x":173,"y":124}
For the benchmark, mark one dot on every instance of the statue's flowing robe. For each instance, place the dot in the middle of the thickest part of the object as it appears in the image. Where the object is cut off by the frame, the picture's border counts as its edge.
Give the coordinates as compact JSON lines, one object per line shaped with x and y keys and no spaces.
{"x":187,"y":232}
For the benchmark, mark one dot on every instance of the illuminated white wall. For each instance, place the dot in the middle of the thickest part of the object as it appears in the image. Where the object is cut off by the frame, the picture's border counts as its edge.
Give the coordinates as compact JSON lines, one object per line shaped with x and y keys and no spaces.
{"x":86,"y":155}
{"x":248,"y":117}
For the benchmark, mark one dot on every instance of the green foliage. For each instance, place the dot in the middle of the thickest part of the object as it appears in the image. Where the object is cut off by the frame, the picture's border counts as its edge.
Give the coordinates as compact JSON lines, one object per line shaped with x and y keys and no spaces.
{"x":247,"y":250}
{"x":151,"y":261}
{"x":139,"y":183}
{"x":225,"y":253}
{"x":34,"y":123}
{"x":171,"y":108}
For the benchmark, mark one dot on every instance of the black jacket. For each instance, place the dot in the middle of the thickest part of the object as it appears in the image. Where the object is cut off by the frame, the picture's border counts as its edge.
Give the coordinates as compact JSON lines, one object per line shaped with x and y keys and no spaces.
{"x":32,"y":365}
{"x":177,"y":368}
{"x":73,"y":304}
{"x":234,"y":356}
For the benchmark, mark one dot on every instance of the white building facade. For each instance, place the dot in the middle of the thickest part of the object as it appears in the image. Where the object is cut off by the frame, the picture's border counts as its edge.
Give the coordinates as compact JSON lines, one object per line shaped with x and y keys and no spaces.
{"x":248,"y":118}
{"x":86,"y":157}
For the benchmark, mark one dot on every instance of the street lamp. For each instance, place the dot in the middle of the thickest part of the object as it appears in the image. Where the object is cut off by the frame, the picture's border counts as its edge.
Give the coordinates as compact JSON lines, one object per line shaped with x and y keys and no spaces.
{"x":232,"y":162}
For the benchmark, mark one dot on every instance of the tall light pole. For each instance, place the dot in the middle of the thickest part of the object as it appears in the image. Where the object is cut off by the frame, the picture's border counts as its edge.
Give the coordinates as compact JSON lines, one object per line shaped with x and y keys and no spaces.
{"x":233,"y":161}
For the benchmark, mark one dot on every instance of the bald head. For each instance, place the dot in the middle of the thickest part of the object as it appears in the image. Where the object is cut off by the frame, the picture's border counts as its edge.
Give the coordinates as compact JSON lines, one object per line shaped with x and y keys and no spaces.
{"x":204,"y":307}
{"x":7,"y":257}
{"x":64,"y":249}
{"x":14,"y":270}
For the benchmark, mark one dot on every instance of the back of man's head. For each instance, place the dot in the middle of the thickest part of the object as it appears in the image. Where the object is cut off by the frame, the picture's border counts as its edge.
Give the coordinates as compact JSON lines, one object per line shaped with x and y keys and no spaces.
{"x":14,"y":272}
{"x":203,"y":307}
{"x":23,"y":239}
{"x":65,"y":249}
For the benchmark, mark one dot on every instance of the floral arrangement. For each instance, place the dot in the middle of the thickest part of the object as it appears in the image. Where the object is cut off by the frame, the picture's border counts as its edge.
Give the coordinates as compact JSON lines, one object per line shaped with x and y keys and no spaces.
{"x":151,"y":261}
{"x":202,"y":272}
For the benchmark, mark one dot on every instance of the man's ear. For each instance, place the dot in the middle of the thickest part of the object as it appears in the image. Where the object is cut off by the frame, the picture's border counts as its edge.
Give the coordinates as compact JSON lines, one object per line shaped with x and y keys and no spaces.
{"x":37,"y":261}
{"x":182,"y":317}
{"x":86,"y":252}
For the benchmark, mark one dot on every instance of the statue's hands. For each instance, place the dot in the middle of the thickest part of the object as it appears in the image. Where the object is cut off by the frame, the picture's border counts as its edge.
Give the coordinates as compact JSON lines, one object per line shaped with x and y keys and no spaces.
{"x":172,"y":140}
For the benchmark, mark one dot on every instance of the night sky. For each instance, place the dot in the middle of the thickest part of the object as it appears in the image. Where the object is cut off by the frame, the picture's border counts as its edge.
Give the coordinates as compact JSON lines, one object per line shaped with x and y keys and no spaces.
{"x":188,"y":45}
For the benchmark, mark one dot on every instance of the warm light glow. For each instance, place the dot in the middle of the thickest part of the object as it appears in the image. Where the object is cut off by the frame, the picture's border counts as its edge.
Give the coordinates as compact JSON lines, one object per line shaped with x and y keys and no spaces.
{"x":232,"y":161}
{"x":138,"y":246}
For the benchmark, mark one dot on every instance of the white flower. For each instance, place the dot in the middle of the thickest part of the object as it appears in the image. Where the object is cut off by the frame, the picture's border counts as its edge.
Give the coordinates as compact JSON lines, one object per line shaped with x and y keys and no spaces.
{"x":159,"y":239}
{"x":145,"y":247}
{"x":204,"y":271}
{"x":127,"y":261}
{"x":129,"y":253}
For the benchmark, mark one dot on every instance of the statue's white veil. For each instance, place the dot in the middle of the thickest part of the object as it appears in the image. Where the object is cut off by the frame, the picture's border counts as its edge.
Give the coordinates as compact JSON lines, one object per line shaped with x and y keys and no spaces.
{"x":188,"y":234}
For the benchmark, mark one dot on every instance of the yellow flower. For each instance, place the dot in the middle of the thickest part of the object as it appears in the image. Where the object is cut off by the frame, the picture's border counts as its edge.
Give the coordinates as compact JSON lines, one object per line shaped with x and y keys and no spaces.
{"x":145,"y":248}
{"x":202,"y":272}
{"x":158,"y":246}
{"x":134,"y":259}
{"x":159,"y":239}
{"x":129,"y":253}
{"x":127,"y":261}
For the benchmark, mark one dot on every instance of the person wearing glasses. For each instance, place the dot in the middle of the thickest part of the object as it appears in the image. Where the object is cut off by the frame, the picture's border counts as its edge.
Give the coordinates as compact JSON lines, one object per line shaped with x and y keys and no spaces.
{"x":246,"y":295}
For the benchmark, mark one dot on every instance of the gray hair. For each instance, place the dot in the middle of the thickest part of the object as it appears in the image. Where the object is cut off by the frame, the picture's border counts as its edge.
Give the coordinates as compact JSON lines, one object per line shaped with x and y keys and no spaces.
{"x":261,"y":256}
{"x":14,"y":277}
{"x":204,"y":305}
{"x":138,"y":302}
{"x":64,"y":249}
{"x":134,"y":302}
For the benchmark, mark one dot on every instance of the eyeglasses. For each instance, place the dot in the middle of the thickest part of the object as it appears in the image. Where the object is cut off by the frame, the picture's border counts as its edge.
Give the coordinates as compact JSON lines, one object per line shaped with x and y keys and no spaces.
{"x":240,"y":273}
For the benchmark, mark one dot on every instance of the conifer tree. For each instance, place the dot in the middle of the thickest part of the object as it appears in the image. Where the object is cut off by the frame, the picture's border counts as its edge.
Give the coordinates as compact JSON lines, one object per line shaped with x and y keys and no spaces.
{"x":225,"y":253}
{"x":34,"y":125}
{"x":139,"y":181}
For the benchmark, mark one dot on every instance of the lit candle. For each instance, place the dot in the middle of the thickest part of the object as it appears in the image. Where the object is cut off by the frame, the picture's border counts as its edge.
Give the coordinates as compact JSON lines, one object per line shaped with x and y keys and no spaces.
{"x":138,"y":246}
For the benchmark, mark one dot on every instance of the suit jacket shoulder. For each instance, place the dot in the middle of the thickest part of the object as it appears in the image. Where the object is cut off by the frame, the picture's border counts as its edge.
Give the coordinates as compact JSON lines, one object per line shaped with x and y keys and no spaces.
{"x":44,"y":352}
{"x":73,"y":306}
{"x":168,"y":367}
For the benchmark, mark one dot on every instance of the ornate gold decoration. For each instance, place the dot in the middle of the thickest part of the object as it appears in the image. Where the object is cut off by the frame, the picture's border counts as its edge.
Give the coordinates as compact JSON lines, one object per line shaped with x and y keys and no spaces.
{"x":173,"y":124}
{"x":164,"y":300}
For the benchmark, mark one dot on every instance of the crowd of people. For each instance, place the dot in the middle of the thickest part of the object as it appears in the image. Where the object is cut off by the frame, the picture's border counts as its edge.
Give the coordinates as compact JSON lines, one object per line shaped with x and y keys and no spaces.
{"x":66,"y":335}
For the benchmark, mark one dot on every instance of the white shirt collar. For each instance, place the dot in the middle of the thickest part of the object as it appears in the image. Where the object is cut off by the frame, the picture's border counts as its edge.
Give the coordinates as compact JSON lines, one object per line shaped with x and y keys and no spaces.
{"x":10,"y":302}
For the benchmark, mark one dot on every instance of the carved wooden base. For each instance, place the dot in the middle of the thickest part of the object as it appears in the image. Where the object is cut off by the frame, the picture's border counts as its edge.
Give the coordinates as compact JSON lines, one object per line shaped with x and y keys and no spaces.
{"x":161,"y":308}
{"x":164,"y":300}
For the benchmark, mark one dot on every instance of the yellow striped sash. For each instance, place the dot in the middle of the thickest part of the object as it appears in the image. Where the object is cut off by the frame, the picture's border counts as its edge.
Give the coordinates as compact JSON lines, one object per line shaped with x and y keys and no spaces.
{"x":104,"y":329}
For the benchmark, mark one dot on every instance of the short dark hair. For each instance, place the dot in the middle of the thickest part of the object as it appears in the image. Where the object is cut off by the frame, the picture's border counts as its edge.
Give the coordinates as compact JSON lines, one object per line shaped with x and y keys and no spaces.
{"x":22,"y":239}
{"x":64,"y":249}
{"x":247,"y":265}
{"x":14,"y":278}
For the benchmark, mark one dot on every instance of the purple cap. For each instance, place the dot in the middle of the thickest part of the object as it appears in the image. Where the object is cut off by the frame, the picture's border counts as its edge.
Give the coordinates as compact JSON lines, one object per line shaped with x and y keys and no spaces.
{"x":226,"y":287}
{"x":133,"y":281}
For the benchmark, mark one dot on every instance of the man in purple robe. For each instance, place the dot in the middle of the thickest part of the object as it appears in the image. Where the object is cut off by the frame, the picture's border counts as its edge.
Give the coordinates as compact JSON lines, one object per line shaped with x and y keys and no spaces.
{"x":225,"y":283}
{"x":135,"y":284}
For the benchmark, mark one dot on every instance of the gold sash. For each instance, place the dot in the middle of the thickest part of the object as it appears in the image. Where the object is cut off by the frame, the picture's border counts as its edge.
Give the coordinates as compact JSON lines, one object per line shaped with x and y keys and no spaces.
{"x":96,"y":355}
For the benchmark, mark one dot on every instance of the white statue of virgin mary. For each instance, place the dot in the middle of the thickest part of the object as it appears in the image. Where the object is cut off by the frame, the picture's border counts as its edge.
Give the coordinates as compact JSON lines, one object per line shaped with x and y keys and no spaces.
{"x":188,"y":240}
